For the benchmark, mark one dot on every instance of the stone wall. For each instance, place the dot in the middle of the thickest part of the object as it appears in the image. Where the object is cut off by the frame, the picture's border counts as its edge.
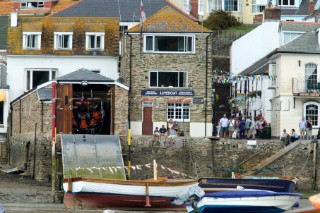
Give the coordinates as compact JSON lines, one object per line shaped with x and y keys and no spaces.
{"x":30,"y":142}
{"x":142,"y":63}
{"x":203,"y":158}
{"x":121,"y":111}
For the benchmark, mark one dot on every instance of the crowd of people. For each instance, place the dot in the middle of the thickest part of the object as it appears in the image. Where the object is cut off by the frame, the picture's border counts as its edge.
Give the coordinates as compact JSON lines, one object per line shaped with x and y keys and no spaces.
{"x":241,"y":127}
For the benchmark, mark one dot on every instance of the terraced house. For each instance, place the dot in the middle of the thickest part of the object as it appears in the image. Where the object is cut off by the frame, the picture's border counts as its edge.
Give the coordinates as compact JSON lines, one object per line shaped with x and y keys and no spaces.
{"x":167,"y":65}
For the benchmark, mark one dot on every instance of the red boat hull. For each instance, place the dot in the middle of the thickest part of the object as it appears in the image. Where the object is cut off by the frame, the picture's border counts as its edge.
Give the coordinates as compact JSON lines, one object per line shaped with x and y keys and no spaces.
{"x":124,"y":202}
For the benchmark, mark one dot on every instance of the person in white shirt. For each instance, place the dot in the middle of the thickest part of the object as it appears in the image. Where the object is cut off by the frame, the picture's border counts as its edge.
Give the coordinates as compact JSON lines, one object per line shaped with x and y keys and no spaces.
{"x":232,"y":123}
{"x":224,"y":125}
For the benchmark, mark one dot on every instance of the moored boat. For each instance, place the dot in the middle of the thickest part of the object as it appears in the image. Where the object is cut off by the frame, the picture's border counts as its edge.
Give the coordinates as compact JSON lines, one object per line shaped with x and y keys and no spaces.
{"x":229,"y":184}
{"x":249,"y":201}
{"x":98,"y":193}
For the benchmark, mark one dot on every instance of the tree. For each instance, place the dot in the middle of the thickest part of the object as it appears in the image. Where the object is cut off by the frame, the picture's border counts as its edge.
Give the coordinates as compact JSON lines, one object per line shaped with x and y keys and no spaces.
{"x":220,"y":20}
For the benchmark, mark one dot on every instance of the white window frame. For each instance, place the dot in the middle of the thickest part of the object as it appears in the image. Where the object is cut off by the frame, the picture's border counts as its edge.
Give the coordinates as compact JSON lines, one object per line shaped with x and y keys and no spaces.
{"x":308,"y":115}
{"x":96,"y":35}
{"x":26,"y":40}
{"x":179,"y":110}
{"x":287,"y":5}
{"x":58,"y":40}
{"x":159,"y":86}
{"x":27,"y":4}
{"x":186,"y":6}
{"x":224,"y":6}
{"x":293,"y":35}
{"x":28,"y":82}
{"x":201,"y":7}
{"x":214,"y":5}
{"x":186,"y":37}
{"x":256,"y":5}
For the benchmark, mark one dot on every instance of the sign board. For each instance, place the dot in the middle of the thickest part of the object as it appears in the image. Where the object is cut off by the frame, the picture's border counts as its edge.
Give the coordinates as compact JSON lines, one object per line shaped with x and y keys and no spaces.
{"x":198,"y":100}
{"x":251,"y":142}
{"x":167,"y":92}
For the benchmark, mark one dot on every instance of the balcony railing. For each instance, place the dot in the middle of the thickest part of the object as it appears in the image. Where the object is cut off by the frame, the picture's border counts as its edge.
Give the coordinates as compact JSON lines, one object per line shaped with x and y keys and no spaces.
{"x":302,"y":87}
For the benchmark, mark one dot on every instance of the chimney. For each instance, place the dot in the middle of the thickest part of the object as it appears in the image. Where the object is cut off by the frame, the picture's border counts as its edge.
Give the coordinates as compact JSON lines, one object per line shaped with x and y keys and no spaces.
{"x":14,"y":19}
{"x":311,"y":7}
{"x":273,"y":13}
{"x":194,"y":8}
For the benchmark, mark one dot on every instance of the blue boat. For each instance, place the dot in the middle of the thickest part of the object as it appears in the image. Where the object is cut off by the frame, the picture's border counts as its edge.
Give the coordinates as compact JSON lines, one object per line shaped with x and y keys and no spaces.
{"x":248,"y":201}
{"x":227,"y":184}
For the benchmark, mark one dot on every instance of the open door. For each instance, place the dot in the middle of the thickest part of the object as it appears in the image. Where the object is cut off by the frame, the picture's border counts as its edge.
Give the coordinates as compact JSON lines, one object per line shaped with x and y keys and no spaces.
{"x":63,"y":108}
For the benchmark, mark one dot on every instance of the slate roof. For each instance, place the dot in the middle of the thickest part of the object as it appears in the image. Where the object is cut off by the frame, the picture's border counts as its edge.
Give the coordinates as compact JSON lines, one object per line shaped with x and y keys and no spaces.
{"x":169,"y":21}
{"x":83,"y":75}
{"x":3,"y":32}
{"x":299,"y":26}
{"x":259,"y":67}
{"x":306,"y":43}
{"x":303,"y":9}
{"x":126,"y":10}
{"x":44,"y":94}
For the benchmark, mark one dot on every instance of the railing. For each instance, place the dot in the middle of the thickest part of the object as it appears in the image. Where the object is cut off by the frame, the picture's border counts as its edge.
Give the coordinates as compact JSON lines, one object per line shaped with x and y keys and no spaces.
{"x":302,"y":86}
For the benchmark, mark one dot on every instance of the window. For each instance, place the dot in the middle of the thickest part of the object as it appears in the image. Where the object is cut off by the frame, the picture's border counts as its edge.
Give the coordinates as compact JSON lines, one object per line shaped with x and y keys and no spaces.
{"x":35,"y":77}
{"x":31,"y":40}
{"x":256,"y":7}
{"x":63,"y":41}
{"x":186,"y":6}
{"x":286,"y":3}
{"x":311,"y":76}
{"x":181,"y":44}
{"x":231,"y":5}
{"x":311,"y":109}
{"x":178,"y":111}
{"x":95,"y":41}
{"x":200,"y":7}
{"x":31,"y":4}
{"x":290,"y":36}
{"x":273,"y":75}
{"x":168,"y":79}
{"x":214,"y":5}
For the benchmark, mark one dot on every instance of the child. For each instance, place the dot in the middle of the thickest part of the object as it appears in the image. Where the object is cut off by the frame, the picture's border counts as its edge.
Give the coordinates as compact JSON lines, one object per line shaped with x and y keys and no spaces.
{"x":156,"y":134}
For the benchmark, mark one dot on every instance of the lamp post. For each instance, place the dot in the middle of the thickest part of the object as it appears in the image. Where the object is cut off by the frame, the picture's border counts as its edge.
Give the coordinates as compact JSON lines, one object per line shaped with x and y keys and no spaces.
{"x":214,"y":109}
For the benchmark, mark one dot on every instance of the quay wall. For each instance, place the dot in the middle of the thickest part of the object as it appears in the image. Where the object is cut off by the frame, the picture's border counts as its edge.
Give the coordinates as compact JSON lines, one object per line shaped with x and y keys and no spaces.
{"x":201,"y":157}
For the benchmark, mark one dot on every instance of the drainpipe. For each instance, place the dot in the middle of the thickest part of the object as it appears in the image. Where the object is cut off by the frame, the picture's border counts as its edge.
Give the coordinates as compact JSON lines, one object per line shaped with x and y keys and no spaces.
{"x":41,"y":116}
{"x":34,"y":152}
{"x":206,"y":99}
{"x":53,"y":129}
{"x":20,"y":114}
{"x":129,"y":108}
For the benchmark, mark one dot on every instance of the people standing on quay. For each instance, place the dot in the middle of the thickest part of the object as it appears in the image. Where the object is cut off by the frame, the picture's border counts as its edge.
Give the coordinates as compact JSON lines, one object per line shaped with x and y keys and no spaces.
{"x":309,"y":129}
{"x":247,"y":126}
{"x":242,"y":127}
{"x":224,"y":125}
{"x":231,"y":125}
{"x":303,"y":128}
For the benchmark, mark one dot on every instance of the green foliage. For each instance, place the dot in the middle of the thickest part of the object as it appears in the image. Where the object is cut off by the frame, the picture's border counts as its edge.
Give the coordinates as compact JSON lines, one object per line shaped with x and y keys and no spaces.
{"x":220,"y":20}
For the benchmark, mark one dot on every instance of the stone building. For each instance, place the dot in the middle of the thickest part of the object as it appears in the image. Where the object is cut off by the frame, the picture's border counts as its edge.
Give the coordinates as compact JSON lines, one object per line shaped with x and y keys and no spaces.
{"x":84,"y":102}
{"x":167,"y":65}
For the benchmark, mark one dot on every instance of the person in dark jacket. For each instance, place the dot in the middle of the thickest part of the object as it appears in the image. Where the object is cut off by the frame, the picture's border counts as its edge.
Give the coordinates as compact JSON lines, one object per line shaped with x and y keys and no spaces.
{"x":242,"y":128}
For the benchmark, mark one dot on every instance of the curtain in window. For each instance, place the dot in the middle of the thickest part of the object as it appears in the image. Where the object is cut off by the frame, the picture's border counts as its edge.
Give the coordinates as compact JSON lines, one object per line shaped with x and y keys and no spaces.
{"x":311,"y":76}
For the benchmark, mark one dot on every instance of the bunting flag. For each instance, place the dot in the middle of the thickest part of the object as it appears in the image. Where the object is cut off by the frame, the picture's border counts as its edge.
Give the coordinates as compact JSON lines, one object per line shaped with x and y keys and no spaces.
{"x":142,"y":13}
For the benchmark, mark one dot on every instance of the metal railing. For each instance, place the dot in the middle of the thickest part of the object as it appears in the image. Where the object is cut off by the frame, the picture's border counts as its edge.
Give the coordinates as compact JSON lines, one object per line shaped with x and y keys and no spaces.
{"x":301,"y":86}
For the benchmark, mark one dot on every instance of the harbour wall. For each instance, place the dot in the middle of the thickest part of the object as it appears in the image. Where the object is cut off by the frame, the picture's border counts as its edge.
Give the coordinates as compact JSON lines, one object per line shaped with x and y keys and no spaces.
{"x":203,"y":157}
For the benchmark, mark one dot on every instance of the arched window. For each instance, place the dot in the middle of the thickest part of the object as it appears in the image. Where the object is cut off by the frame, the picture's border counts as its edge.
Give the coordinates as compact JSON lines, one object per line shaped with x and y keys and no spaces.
{"x":311,"y":76}
{"x":311,"y":109}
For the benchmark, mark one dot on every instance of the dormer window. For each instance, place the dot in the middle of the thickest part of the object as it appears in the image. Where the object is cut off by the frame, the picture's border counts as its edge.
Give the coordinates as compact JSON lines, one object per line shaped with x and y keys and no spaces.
{"x":31,"y":40}
{"x":94,"y":41}
{"x":63,"y":40}
{"x":31,"y":4}
{"x":169,"y":44}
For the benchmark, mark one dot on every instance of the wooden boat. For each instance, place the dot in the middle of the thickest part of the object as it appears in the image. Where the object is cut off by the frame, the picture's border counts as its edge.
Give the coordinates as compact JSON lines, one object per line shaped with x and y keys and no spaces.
{"x":229,"y":184}
{"x":98,"y":193}
{"x":249,"y":201}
